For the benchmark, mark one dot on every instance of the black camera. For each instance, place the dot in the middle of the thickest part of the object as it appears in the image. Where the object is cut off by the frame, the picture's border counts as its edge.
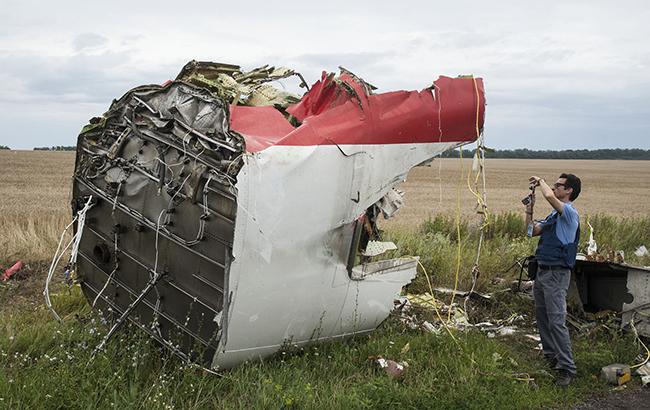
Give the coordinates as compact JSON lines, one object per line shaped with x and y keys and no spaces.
{"x":527,"y":200}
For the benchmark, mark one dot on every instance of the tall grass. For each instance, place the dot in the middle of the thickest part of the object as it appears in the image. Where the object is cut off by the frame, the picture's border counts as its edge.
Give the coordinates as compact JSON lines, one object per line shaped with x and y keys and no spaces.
{"x":31,"y":236}
{"x":505,"y":241}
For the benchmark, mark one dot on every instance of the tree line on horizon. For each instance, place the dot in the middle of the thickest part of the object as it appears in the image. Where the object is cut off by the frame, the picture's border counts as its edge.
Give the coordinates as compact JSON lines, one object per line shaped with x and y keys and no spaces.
{"x":525,"y":153}
{"x":57,"y":148}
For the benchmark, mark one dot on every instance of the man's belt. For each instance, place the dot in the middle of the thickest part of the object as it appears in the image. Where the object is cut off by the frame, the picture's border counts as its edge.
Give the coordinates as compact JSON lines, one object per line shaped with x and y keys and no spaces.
{"x":551,"y":267}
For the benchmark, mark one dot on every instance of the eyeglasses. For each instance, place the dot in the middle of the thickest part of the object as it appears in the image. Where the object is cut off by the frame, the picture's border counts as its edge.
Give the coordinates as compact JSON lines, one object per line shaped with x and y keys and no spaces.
{"x":557,"y":185}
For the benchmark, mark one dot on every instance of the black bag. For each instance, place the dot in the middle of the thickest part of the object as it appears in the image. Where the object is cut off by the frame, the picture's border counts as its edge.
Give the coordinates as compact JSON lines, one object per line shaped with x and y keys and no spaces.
{"x":531,"y":267}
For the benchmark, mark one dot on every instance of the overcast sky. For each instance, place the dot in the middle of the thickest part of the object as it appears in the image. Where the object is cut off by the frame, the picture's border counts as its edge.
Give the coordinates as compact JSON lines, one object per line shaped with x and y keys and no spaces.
{"x":565,"y":74}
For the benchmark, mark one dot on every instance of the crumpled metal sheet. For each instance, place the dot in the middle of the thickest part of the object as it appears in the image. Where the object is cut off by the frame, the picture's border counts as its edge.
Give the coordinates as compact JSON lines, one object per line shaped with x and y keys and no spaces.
{"x":236,"y":86}
{"x":254,"y":208}
{"x":339,"y":111}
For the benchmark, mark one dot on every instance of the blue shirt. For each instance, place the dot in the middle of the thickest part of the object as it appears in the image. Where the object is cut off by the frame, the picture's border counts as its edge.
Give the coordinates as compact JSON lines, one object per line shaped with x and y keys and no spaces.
{"x":567,"y":223}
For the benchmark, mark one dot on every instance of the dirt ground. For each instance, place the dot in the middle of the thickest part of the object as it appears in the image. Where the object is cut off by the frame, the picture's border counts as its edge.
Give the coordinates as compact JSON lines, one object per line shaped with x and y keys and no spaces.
{"x":633,"y":398}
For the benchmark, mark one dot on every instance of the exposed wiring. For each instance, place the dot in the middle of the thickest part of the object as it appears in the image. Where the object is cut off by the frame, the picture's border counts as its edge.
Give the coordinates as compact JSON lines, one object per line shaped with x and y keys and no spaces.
{"x":80,"y":218}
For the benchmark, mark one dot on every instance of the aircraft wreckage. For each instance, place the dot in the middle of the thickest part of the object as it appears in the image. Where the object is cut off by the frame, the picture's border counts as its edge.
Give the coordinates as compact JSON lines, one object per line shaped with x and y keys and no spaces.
{"x":227,"y":217}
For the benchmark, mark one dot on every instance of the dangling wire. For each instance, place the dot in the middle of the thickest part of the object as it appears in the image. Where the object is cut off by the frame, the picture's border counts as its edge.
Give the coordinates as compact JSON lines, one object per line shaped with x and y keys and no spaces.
{"x":481,"y":195}
{"x":80,"y":218}
{"x":481,"y":200}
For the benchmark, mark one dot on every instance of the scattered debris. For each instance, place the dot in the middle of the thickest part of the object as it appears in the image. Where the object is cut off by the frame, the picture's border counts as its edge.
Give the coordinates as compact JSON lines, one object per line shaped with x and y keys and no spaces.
{"x":431,"y":328}
{"x":392,"y":368}
{"x":462,"y":294}
{"x":611,"y":256}
{"x":17,"y":270}
{"x":450,"y":316}
{"x":643,"y":370}
{"x":641,"y":251}
{"x":425,"y":300}
{"x":616,"y":374}
{"x":507,"y":331}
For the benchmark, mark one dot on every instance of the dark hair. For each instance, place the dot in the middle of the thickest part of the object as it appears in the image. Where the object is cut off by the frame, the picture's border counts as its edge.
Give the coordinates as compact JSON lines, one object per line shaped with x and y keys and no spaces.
{"x":572,"y":181}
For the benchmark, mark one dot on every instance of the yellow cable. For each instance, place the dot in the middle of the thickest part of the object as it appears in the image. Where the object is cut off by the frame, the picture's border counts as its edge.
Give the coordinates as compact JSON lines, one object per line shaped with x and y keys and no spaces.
{"x":426,"y":275}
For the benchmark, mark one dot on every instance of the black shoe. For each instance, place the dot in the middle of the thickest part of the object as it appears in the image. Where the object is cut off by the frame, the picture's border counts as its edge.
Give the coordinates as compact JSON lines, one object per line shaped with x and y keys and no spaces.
{"x":564,"y":378}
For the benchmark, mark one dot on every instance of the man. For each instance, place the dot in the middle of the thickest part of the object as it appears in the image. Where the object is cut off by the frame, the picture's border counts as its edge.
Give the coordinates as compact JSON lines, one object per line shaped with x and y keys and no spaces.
{"x":556,"y":253}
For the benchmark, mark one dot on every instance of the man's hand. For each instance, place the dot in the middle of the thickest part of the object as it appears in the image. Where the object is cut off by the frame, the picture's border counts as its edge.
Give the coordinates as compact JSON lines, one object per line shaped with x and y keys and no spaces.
{"x":535,"y":181}
{"x":547,"y":191}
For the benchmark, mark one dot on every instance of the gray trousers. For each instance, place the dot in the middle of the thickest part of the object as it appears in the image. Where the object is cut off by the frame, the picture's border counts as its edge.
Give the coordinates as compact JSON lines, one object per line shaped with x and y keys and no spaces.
{"x":550,"y":290}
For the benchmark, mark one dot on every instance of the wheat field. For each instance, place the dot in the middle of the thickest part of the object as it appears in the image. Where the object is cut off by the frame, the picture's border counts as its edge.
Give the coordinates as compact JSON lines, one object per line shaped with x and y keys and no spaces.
{"x":35,"y":191}
{"x":614,"y":187}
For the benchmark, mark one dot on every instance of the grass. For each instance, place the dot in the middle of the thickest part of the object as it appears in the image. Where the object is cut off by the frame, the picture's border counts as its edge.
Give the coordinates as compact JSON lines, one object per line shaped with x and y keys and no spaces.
{"x":47,"y":365}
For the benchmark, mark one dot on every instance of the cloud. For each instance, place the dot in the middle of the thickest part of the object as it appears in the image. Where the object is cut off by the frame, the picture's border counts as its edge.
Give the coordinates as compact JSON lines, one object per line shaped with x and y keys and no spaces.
{"x":77,"y":78}
{"x":88,"y":41}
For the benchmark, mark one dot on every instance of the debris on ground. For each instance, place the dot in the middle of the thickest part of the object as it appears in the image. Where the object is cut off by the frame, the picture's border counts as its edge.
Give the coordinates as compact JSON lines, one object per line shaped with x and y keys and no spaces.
{"x":641,"y":251}
{"x":507,"y":331}
{"x":643,"y":370}
{"x":463,"y":294}
{"x":617,"y":374}
{"x":17,"y":271}
{"x":428,"y":327}
{"x":441,"y":315}
{"x":392,"y":368}
{"x":615,"y":256}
